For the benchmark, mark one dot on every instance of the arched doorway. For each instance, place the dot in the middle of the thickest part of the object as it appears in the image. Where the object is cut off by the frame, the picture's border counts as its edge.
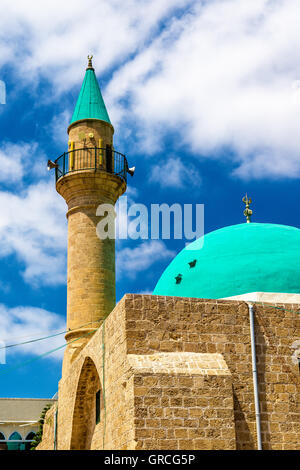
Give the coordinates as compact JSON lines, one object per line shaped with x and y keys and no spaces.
{"x":87,"y":407}
{"x":15,"y":442}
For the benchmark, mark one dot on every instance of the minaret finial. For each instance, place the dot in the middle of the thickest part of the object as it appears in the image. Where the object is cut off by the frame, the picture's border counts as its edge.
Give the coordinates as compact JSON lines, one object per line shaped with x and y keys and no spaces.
{"x":247,"y":211}
{"x":90,"y":64}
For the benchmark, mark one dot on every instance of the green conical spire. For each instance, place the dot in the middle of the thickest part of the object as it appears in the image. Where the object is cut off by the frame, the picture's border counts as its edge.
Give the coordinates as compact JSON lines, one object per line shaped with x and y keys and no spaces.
{"x":90,"y":104}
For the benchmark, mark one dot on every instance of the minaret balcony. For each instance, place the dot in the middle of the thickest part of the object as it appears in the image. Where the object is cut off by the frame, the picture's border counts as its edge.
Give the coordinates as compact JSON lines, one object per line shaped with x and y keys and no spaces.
{"x":91,"y":159}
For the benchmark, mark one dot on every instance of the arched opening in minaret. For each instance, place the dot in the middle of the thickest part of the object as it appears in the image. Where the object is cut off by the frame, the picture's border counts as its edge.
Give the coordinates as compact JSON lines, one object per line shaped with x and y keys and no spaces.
{"x":88,"y":407}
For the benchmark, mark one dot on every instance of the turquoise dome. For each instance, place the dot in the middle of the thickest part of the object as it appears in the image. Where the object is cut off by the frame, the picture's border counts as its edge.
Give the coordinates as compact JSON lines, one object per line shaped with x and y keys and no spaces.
{"x":236,"y":260}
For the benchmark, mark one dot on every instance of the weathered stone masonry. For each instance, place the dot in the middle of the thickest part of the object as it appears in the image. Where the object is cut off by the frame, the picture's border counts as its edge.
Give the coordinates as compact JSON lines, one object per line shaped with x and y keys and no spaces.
{"x":177,"y":375}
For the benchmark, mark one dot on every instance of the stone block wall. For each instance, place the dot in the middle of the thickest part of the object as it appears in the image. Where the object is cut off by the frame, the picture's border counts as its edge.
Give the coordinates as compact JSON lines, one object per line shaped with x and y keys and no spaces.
{"x":176,"y":373}
{"x":106,"y":351}
{"x":182,"y":401}
{"x":171,"y":324}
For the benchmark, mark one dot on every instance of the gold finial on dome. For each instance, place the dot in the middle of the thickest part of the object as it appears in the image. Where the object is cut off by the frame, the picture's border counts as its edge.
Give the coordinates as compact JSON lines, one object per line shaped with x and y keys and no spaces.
{"x":247,"y":211}
{"x":90,"y":64}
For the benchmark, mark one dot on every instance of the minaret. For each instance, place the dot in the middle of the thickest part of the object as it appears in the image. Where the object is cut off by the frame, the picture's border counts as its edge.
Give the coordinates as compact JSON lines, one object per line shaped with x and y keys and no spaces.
{"x":89,"y":174}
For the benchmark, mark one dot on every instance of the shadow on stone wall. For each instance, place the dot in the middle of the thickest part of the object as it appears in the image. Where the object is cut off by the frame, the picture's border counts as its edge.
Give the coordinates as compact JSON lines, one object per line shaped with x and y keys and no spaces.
{"x":243,"y":435}
{"x":261,"y":351}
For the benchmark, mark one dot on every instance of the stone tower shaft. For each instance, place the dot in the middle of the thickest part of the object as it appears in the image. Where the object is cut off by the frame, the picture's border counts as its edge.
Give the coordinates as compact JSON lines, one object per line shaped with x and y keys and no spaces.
{"x":89,"y":174}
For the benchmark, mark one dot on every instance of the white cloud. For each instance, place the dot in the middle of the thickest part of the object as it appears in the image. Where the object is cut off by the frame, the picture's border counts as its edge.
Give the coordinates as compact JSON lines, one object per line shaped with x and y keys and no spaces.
{"x":10,"y":162}
{"x":131,"y":261}
{"x":122,"y":220}
{"x":13,"y":159}
{"x":145,"y":292}
{"x":219,"y":74}
{"x":20,"y":159}
{"x":173,"y":173}
{"x":131,"y":193}
{"x":22,"y":324}
{"x":52,"y":38}
{"x":33,"y":227}
{"x":222,"y":76}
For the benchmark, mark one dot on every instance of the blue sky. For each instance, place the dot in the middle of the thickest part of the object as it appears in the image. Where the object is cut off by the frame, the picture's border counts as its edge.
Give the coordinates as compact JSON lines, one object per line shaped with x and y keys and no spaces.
{"x":205,"y":101}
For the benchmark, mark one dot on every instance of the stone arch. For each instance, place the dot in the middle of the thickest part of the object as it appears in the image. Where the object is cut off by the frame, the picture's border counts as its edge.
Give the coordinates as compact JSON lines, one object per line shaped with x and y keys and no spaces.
{"x":15,"y":442}
{"x":29,"y":438}
{"x":84,"y":414}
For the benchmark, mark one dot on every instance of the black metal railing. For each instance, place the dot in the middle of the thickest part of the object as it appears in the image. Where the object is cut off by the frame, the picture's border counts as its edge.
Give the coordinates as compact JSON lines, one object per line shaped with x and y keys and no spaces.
{"x":92,"y":158}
